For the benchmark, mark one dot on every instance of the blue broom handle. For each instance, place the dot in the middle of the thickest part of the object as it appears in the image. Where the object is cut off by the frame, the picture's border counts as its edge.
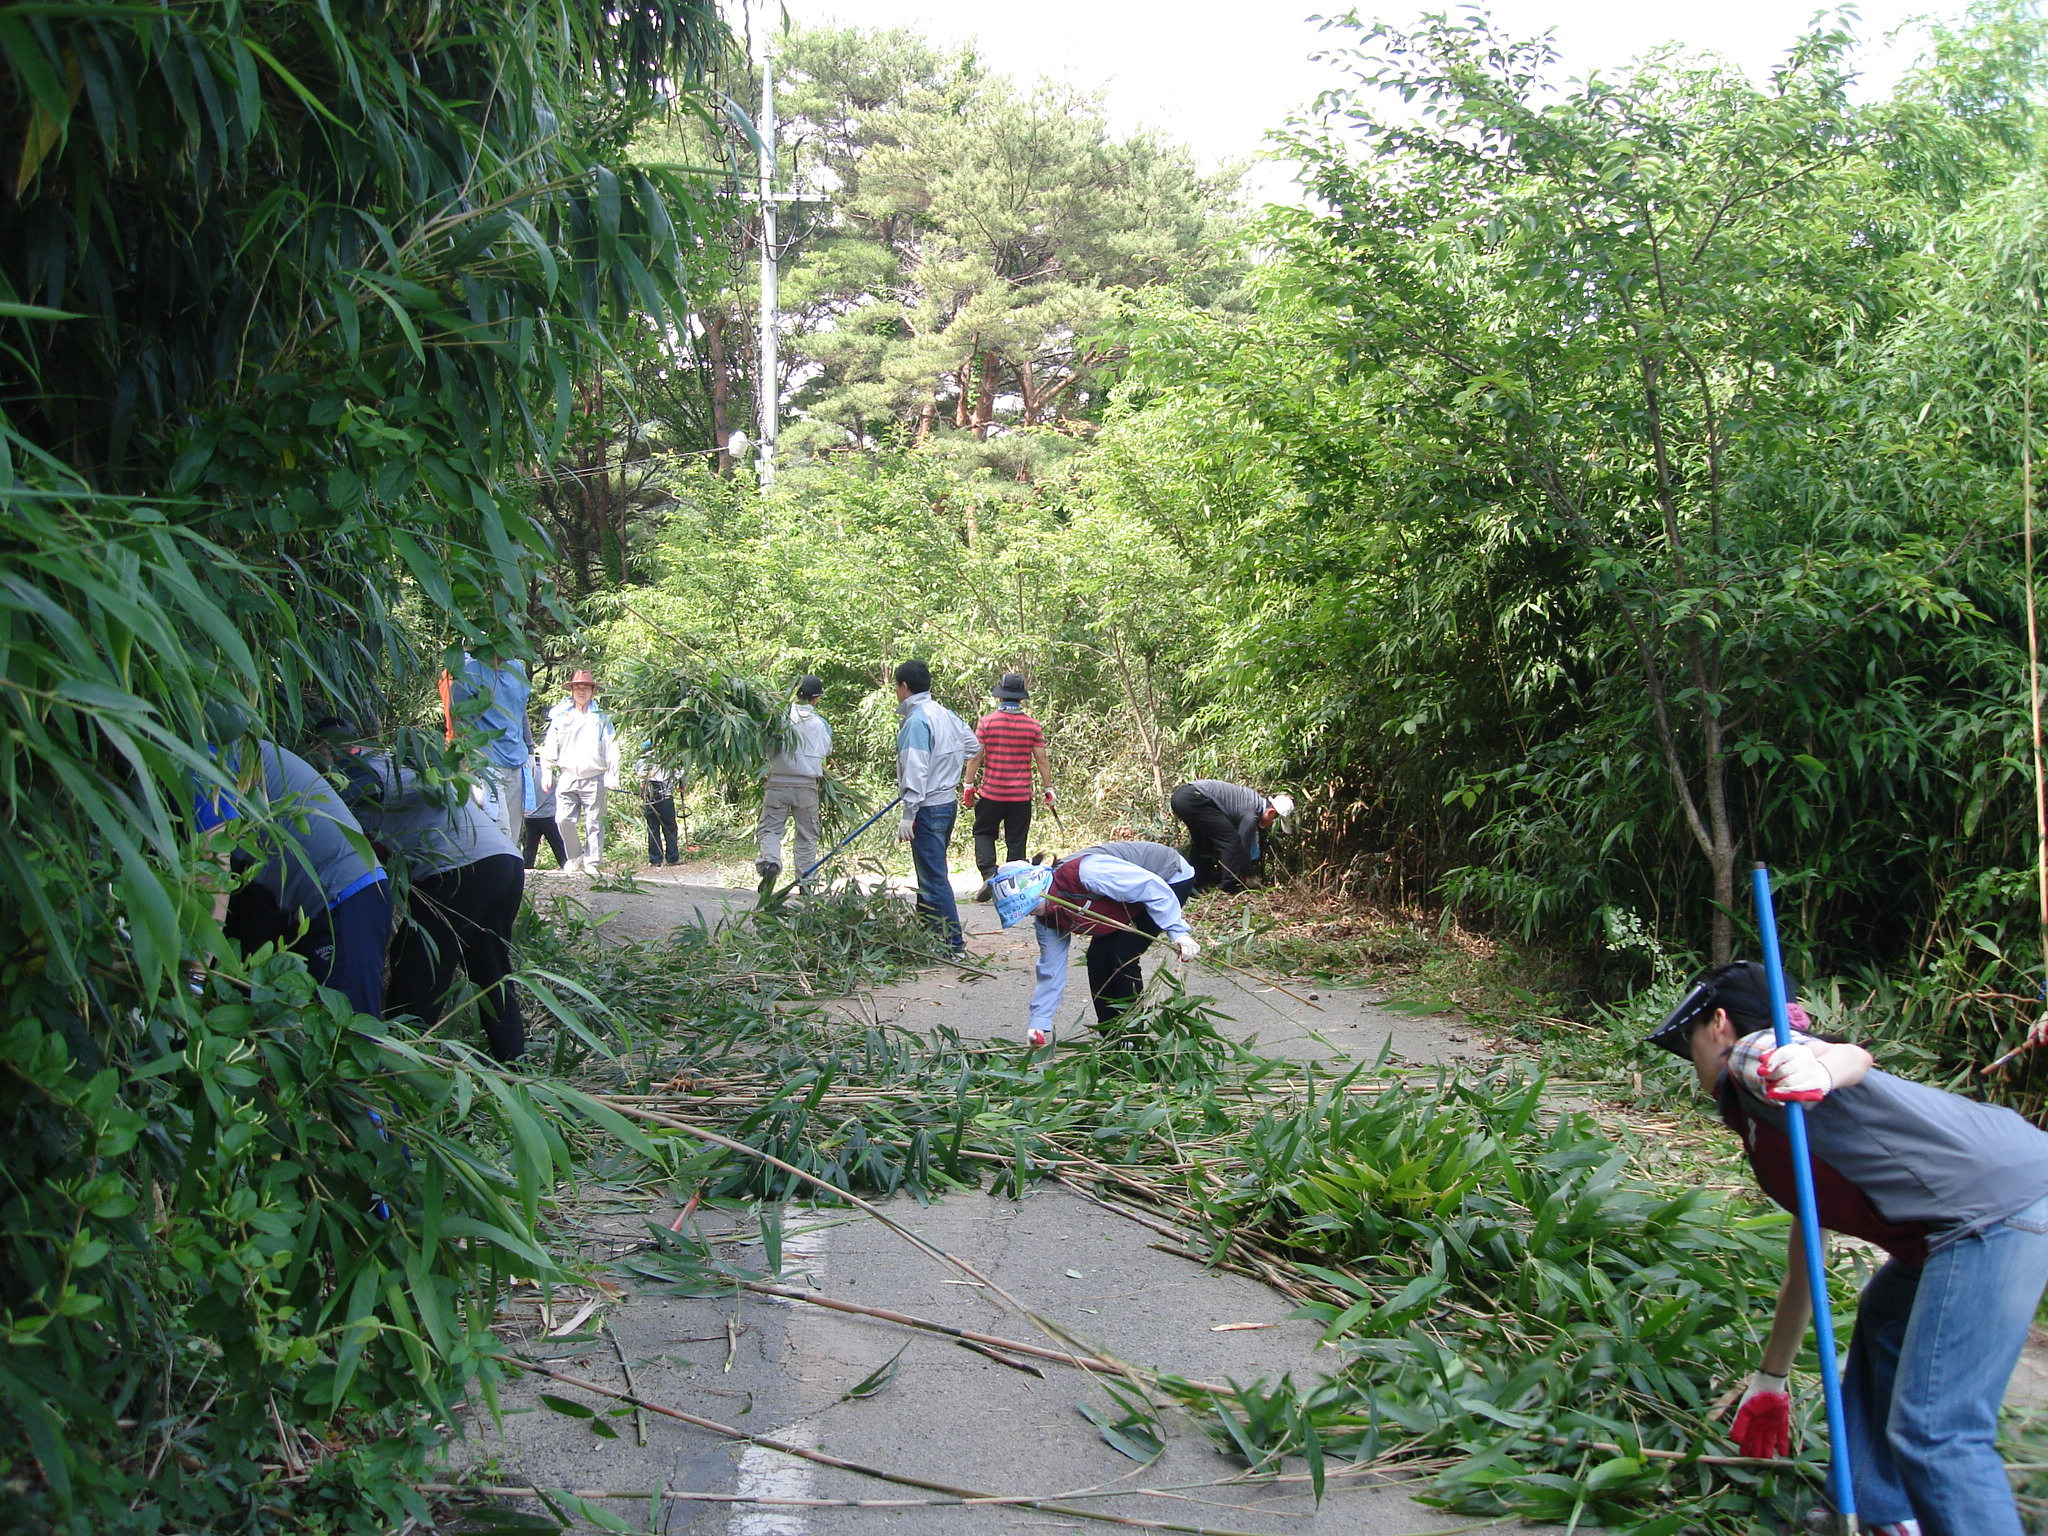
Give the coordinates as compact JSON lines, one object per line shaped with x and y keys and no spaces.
{"x":856,"y":832}
{"x":1840,"y":1487}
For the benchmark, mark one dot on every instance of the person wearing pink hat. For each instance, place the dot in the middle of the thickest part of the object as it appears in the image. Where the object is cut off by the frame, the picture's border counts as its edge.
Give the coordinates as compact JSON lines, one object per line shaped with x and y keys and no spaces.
{"x":579,"y":759}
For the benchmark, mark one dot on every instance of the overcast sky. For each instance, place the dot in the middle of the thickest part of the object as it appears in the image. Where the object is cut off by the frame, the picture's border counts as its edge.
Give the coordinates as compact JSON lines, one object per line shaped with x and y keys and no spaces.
{"x":1217,"y":76}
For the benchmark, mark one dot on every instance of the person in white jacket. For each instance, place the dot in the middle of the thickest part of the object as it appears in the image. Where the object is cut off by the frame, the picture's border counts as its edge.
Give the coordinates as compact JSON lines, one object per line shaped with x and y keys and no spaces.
{"x":579,"y":758}
{"x":932,"y":747}
{"x":1119,"y":895}
{"x":791,"y":793}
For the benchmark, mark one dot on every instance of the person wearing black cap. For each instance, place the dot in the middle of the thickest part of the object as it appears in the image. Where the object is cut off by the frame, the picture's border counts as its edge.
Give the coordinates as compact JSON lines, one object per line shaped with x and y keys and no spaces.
{"x":1954,"y":1191}
{"x":997,"y":783}
{"x":791,"y":793}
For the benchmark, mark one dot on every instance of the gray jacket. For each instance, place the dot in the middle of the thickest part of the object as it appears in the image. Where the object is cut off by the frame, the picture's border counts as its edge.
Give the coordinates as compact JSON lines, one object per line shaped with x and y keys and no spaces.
{"x":1922,"y":1155}
{"x":803,"y":761}
{"x":1243,"y":806}
{"x":431,"y":835}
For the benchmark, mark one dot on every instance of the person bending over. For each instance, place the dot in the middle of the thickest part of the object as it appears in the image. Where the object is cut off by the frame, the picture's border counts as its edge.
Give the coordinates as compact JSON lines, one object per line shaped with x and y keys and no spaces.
{"x":314,"y":882}
{"x":1954,"y":1191}
{"x":1225,"y":822}
{"x":466,"y":880}
{"x":1120,"y":896}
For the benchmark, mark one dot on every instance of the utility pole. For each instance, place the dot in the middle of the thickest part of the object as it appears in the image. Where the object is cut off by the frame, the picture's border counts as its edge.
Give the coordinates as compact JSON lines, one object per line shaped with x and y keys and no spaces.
{"x":771,"y":317}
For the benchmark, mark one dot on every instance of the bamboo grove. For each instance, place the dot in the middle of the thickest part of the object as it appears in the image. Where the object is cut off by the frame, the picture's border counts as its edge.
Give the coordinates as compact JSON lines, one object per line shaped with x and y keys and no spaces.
{"x":292,"y":298}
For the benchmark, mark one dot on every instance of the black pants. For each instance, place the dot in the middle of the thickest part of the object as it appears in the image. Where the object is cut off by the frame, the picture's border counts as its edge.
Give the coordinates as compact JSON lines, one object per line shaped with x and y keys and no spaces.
{"x":1116,"y":960}
{"x":462,"y":918}
{"x":538,"y":827}
{"x":1013,"y":818}
{"x":661,"y":827}
{"x":1214,"y":848}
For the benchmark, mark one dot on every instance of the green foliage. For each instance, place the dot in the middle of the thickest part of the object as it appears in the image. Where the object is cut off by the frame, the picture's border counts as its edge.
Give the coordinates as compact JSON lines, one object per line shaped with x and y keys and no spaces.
{"x":974,"y":238}
{"x":1508,"y":1288}
{"x":1617,"y":481}
{"x":289,"y":297}
{"x":851,"y":567}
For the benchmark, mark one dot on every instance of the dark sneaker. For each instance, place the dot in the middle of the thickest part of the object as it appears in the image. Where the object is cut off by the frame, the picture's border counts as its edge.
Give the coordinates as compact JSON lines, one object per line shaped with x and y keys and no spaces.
{"x":985,"y":893}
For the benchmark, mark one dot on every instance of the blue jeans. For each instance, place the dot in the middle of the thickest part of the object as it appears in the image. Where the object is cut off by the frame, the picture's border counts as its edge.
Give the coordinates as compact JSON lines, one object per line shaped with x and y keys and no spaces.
{"x":930,"y":833}
{"x":1933,"y":1350}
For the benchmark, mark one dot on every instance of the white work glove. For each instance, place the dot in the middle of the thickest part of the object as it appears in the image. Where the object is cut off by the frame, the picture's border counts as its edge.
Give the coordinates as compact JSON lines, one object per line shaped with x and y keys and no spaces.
{"x":907,"y":827}
{"x":1793,"y":1074}
{"x":1038,"y":1037}
{"x":1186,"y":945}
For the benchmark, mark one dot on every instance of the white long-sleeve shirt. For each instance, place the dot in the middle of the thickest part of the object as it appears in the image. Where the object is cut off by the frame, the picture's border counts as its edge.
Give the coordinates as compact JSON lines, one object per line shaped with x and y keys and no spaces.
{"x":1119,"y":880}
{"x":580,"y":745}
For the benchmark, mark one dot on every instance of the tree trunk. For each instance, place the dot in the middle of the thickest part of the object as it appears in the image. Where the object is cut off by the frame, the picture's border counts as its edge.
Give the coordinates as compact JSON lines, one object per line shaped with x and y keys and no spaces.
{"x":925,"y":415}
{"x":985,"y":402}
{"x":1027,"y":386}
{"x":964,"y":378}
{"x":721,"y":390}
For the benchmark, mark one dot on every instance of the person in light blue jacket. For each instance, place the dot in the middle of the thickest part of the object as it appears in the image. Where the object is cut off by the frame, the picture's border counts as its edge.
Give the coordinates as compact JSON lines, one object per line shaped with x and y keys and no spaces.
{"x":932,"y":748}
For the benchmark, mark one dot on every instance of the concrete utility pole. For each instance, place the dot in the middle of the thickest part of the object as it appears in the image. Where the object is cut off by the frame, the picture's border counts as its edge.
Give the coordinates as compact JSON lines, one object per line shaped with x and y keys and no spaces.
{"x":771,"y":317}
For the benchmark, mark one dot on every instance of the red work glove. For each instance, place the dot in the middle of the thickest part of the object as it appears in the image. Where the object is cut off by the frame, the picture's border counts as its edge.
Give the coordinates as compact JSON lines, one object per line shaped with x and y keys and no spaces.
{"x":1048,"y":794}
{"x":968,"y":795}
{"x":1763,"y":1424}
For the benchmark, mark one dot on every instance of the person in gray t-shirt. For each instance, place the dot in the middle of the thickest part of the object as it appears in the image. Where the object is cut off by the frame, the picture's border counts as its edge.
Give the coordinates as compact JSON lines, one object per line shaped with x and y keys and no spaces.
{"x":1954,"y":1190}
{"x":466,"y":878}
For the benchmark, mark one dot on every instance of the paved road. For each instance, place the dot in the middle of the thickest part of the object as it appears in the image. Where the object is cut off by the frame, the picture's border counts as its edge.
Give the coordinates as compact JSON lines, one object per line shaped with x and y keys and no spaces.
{"x":952,"y":1415}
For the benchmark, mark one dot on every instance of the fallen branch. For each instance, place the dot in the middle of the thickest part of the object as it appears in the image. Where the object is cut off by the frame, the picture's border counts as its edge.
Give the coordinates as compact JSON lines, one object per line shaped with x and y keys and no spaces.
{"x":1778,"y":1463}
{"x":840,"y":1463}
{"x":1052,"y":1330}
{"x":964,"y":1335}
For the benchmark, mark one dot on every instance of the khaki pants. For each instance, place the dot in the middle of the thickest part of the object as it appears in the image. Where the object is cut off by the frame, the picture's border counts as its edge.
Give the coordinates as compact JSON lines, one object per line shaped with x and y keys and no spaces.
{"x":579,"y":811}
{"x":782,"y":803}
{"x":509,"y":803}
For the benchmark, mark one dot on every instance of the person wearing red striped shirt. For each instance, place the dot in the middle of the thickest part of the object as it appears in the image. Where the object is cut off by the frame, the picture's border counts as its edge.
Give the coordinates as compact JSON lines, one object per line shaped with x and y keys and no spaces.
{"x":997,"y":785}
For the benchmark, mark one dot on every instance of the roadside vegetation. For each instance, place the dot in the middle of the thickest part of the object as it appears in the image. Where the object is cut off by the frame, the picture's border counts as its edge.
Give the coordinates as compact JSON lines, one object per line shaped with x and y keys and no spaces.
{"x":1600,"y":484}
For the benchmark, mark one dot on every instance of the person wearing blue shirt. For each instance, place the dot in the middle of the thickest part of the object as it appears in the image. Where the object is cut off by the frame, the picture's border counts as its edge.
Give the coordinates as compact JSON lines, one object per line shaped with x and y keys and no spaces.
{"x":507,"y":739}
